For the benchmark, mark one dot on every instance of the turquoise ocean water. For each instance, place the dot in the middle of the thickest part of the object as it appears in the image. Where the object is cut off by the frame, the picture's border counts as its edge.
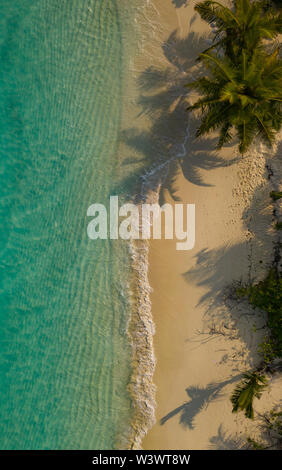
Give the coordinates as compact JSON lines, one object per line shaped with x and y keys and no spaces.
{"x":64,"y":362}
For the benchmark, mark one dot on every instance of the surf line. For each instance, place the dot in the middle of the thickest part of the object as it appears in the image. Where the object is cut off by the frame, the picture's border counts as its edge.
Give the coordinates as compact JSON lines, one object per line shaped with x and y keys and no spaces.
{"x":143,"y":221}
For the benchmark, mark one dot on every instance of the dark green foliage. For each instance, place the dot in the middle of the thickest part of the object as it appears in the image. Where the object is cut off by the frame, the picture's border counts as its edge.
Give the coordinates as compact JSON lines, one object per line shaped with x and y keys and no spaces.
{"x":243,"y":27}
{"x":268,"y":350}
{"x":251,"y":387}
{"x":278,"y":226}
{"x":267,"y":295}
{"x":275,"y":3}
{"x":275,"y":422}
{"x":242,"y":92}
{"x":275,"y":195}
{"x":245,"y":97}
{"x":255,"y":445}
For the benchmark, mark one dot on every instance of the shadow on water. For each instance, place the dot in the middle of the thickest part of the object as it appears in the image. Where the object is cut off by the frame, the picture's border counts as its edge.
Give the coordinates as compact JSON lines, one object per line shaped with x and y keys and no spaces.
{"x":167,"y":144}
{"x":200,"y":398}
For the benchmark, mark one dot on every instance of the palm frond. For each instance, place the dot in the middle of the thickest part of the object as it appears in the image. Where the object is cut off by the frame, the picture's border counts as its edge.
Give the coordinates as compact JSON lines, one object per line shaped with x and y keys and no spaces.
{"x":250,"y":387}
{"x":214,"y":12}
{"x":224,"y":136}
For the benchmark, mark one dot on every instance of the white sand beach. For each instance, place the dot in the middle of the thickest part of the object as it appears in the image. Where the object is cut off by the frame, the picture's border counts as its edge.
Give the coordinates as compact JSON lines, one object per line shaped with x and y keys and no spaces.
{"x":204,"y":337}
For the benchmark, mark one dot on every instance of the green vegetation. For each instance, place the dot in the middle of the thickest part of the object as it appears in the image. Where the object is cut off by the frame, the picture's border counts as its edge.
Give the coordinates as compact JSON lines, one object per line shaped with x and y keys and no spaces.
{"x":242,"y":28}
{"x":275,"y":422}
{"x":254,"y":444}
{"x":241,"y":93}
{"x":245,"y":97}
{"x":275,"y":195}
{"x":251,"y":387}
{"x":275,"y":3}
{"x":272,"y":428}
{"x":267,"y":295}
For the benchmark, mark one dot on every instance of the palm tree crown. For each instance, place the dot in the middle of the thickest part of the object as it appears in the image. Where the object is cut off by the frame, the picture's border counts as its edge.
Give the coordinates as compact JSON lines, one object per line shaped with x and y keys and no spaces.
{"x":241,"y":29}
{"x":244,"y":97}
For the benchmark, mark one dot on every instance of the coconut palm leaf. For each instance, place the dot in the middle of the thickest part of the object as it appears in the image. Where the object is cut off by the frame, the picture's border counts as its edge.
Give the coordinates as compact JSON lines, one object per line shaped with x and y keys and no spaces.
{"x":242,"y":28}
{"x":242,"y":99}
{"x":251,"y":387}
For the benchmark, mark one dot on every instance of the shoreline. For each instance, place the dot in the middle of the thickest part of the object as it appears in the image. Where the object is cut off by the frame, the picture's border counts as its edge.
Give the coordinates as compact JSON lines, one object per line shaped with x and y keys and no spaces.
{"x":141,"y":331}
{"x":140,"y":328}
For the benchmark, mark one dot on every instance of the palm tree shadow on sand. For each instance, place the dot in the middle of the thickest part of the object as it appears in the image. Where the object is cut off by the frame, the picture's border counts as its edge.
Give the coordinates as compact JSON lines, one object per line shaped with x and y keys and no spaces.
{"x":225,"y":441}
{"x":219,"y":271}
{"x":180,"y":3}
{"x":200,"y":398}
{"x":167,"y":145}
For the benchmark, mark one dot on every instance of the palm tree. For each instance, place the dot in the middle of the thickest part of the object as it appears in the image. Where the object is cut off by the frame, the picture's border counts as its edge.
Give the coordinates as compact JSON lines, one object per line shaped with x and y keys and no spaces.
{"x":241,"y":28}
{"x":244,"y":98}
{"x":251,"y":387}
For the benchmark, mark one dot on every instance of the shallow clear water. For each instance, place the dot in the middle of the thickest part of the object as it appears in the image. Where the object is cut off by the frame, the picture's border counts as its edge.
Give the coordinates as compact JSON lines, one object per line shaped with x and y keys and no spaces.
{"x":64,"y":361}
